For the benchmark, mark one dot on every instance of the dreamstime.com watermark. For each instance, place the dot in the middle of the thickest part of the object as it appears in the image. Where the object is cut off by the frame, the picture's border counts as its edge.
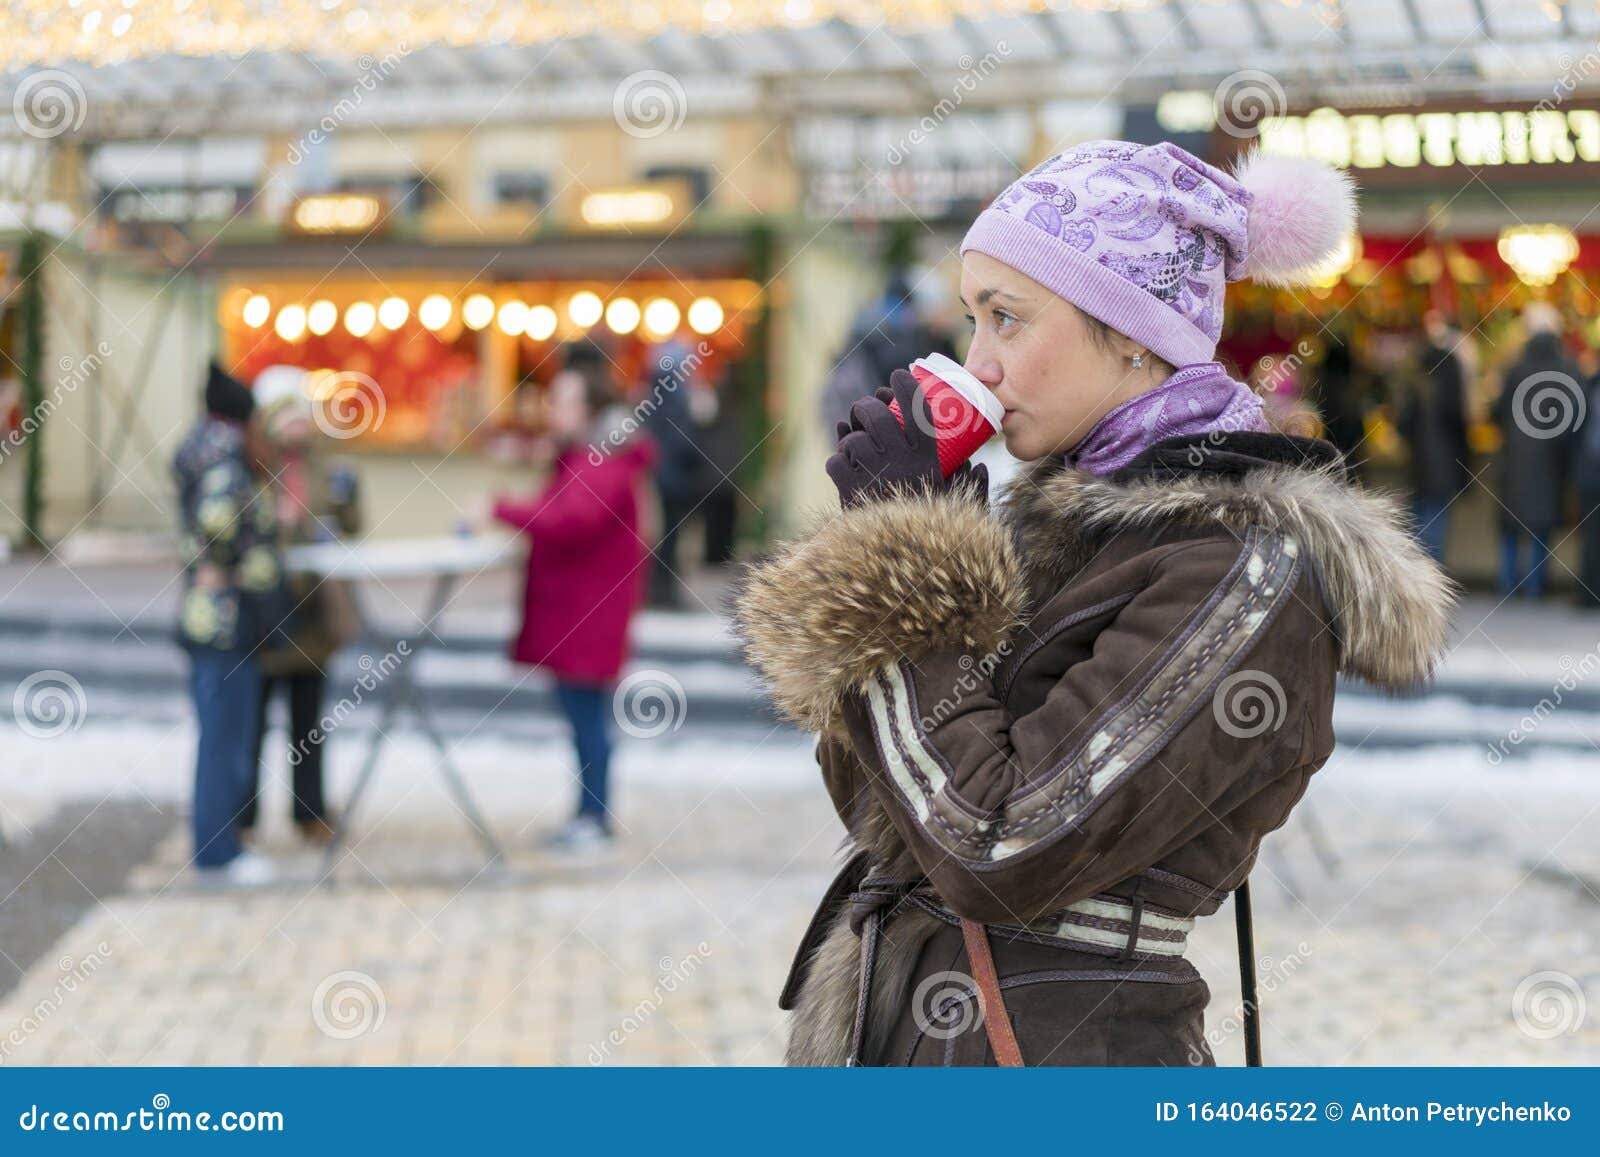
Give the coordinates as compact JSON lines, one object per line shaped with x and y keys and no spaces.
{"x":1548,"y":404}
{"x":1277,"y":372}
{"x":348,"y":1004}
{"x":1249,"y":703}
{"x":947,"y":1004}
{"x":1270,"y":974}
{"x":373,"y":73}
{"x":49,"y":703}
{"x":674,"y":372}
{"x":160,"y":1117}
{"x":48,"y":103}
{"x":374,"y":673}
{"x":649,"y":703}
{"x":1245,"y":98}
{"x":73,"y":973}
{"x":348,"y":405}
{"x":976,"y":674}
{"x":74,"y":373}
{"x":1573,"y":672}
{"x":673,"y":974}
{"x":649,"y":103}
{"x":972,"y":72}
{"x":1548,"y":1004}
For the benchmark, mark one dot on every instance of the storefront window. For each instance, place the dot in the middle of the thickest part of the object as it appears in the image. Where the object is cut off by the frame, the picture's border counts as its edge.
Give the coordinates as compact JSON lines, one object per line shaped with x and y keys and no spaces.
{"x":444,"y":365}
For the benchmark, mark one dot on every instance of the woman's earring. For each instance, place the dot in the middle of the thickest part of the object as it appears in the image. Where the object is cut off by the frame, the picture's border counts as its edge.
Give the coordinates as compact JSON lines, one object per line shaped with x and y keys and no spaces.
{"x":1138,"y":360}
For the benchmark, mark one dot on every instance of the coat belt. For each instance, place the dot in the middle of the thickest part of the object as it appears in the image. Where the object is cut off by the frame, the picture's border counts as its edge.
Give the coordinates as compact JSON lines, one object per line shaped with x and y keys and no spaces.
{"x":1106,"y":925}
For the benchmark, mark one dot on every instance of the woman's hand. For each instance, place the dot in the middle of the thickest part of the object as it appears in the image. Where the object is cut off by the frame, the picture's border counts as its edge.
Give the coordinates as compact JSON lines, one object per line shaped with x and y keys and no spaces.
{"x":876,"y":453}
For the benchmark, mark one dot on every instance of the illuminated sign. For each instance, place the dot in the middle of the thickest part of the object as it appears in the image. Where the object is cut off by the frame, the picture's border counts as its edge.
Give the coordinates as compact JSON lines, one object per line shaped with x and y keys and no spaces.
{"x":633,"y":206}
{"x":337,"y":213}
{"x":1423,"y":140}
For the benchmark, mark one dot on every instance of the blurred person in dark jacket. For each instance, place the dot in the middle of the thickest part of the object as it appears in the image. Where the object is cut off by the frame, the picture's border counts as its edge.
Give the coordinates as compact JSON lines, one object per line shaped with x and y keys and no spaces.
{"x":902,"y":324}
{"x":1433,"y":422}
{"x":316,"y":501}
{"x":681,"y":468}
{"x":1541,"y":400}
{"x":1586,"y":478}
{"x":722,"y":438}
{"x":1339,"y":398}
{"x":588,"y":565}
{"x":233,"y":602}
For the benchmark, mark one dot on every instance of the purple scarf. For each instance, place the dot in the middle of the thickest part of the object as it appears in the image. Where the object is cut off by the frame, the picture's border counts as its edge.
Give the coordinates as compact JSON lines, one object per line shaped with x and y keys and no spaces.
{"x":1198,"y":399}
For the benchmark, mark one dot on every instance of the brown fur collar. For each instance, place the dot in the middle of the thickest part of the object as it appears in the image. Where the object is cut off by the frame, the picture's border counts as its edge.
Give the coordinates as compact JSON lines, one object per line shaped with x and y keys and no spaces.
{"x":861,"y":588}
{"x":1390,"y":603}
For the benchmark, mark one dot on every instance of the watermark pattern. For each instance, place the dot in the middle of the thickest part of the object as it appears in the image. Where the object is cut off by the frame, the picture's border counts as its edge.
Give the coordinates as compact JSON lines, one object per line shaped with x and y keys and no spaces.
{"x":348,"y":1004}
{"x":1573,"y":672}
{"x":947,"y":415}
{"x":674,"y":372}
{"x":1544,"y":128}
{"x":74,"y":373}
{"x":947,"y":1004}
{"x":155,"y":1119}
{"x":372,"y":74}
{"x":972,"y":72}
{"x":1548,"y":404}
{"x":49,"y":703}
{"x":48,"y":103}
{"x":1270,"y":974}
{"x":649,"y":103}
{"x":73,"y":974}
{"x":1548,"y":1004}
{"x":649,"y":703}
{"x":1232,"y":422}
{"x":348,"y":405}
{"x":673,"y":974}
{"x":976,"y":674}
{"x":1247,"y":97}
{"x":1249,"y":703}
{"x":374,"y":672}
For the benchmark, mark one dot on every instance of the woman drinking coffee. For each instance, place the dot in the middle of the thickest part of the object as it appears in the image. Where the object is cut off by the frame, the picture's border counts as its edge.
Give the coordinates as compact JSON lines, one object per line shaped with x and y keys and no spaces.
{"x":1057,"y":729}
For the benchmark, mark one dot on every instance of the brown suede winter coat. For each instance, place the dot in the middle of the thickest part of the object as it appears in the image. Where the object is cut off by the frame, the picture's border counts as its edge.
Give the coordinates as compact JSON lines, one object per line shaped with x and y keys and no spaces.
{"x":1072,"y":718}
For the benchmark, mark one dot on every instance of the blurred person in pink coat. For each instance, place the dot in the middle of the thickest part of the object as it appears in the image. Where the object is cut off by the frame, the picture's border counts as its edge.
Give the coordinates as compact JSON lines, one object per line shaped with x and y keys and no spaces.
{"x":588,"y":570}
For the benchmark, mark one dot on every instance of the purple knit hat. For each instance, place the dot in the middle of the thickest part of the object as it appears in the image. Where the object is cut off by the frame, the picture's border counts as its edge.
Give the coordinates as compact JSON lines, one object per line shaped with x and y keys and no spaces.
{"x":1144,"y":237}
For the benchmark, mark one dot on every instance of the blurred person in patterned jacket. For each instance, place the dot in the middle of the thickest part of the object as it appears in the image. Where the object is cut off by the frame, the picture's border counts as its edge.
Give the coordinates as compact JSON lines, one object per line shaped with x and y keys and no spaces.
{"x":233,"y":600}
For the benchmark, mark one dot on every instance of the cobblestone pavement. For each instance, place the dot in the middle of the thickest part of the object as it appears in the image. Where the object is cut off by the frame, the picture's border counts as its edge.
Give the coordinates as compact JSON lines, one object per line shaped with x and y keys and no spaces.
{"x":1460,"y":925}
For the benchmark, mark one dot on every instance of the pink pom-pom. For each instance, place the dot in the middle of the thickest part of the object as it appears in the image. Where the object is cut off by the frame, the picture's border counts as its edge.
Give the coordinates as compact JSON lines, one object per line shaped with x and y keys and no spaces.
{"x":1300,"y":211}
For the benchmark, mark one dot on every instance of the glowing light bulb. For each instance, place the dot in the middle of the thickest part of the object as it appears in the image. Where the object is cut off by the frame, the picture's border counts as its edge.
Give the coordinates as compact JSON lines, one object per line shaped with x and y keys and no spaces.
{"x":322,"y":317}
{"x":360,"y":318}
{"x":541,"y":323}
{"x":291,"y":323}
{"x":584,"y":309}
{"x":477,"y":311}
{"x":705,"y":315}
{"x":513,"y":317}
{"x":661,"y":317}
{"x":622,"y":315}
{"x":434,"y":312}
{"x":256,"y":311}
{"x":393,"y":312}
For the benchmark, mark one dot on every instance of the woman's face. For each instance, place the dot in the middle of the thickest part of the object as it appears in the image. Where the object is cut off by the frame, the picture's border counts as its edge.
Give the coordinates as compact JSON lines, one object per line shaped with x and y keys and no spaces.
{"x":1034,"y":350}
{"x":569,"y":407}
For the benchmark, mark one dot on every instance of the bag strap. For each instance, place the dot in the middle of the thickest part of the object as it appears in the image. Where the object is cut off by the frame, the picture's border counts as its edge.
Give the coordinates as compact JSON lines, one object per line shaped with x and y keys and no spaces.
{"x":1247,"y":974}
{"x":996,"y":1021}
